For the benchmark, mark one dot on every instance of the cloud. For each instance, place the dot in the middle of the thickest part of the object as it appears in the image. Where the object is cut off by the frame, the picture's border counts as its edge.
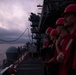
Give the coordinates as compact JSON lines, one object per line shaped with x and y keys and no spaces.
{"x":13,"y":36}
{"x":14,"y":16}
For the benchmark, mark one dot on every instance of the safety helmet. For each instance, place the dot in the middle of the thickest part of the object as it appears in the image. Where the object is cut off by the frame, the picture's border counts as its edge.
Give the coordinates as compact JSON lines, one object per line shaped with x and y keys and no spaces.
{"x":54,"y":32}
{"x":59,"y":22}
{"x":70,"y":9}
{"x":48,"y":30}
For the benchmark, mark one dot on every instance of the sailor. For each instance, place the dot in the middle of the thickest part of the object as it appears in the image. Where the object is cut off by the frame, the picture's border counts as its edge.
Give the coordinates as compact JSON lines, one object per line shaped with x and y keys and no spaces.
{"x":62,"y":34}
{"x":51,"y":64}
{"x":47,"y":42}
{"x":45,"y":49}
{"x":68,"y":65}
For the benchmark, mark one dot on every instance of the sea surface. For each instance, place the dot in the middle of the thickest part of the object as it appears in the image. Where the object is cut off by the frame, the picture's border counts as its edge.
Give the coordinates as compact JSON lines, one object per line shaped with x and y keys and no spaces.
{"x":3,"y":48}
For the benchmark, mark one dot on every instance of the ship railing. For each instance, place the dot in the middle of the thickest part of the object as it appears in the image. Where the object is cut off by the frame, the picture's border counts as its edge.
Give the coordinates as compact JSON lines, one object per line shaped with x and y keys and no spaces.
{"x":12,"y":68}
{"x":5,"y":69}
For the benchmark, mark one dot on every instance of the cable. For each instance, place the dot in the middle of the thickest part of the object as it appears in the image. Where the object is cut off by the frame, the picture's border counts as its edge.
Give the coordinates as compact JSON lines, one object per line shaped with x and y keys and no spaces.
{"x":15,"y":39}
{"x":29,"y":35}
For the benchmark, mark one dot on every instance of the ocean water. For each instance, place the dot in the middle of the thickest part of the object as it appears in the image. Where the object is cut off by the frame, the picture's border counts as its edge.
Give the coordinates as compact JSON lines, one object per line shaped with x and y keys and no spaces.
{"x":3,"y":48}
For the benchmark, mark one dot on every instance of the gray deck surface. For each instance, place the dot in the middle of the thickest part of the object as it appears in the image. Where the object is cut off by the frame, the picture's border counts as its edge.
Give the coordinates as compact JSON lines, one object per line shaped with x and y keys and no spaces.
{"x":30,"y":67}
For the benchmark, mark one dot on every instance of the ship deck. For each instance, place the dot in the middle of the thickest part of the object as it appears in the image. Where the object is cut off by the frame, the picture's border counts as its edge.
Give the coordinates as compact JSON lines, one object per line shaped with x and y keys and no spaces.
{"x":31,"y":66}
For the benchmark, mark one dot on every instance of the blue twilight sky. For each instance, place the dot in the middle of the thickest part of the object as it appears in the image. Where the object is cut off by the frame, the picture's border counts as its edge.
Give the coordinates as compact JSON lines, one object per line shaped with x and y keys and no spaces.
{"x":14,"y":16}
